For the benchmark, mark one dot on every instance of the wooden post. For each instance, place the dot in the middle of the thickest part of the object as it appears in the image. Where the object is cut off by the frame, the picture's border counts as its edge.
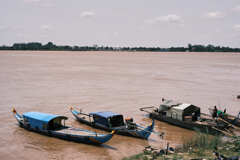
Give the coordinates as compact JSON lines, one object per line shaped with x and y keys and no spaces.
{"x":167,"y":148}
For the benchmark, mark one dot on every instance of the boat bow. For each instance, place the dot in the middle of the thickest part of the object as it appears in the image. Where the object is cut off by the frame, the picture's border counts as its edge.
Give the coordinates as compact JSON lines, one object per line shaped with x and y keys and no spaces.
{"x":146,"y":132}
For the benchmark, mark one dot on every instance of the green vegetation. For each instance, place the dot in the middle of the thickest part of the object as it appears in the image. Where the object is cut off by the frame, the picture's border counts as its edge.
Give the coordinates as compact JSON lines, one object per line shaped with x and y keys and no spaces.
{"x":50,"y":46}
{"x":202,"y":146}
{"x":135,"y":157}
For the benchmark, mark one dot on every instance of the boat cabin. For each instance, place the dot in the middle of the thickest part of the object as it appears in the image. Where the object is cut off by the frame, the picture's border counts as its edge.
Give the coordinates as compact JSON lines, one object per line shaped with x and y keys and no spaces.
{"x":180,"y":111}
{"x":108,"y":119}
{"x":43,"y":121}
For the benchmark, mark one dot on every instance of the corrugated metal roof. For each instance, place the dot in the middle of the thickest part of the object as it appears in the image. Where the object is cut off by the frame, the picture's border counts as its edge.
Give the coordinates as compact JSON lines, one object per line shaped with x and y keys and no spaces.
{"x":105,"y":114}
{"x":170,"y":103}
{"x":182,"y":106}
{"x":44,"y":117}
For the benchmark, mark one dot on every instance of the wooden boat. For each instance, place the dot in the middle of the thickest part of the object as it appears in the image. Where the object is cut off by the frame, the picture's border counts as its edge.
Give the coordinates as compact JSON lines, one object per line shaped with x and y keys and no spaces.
{"x":187,"y":116}
{"x":54,"y":126}
{"x":222,"y":115}
{"x":109,"y":121}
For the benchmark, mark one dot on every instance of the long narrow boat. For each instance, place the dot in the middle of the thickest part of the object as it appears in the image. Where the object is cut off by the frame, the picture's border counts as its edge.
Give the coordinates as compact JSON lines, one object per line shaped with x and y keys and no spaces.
{"x":54,"y":126}
{"x":234,"y":120}
{"x":109,"y":121}
{"x":187,"y":116}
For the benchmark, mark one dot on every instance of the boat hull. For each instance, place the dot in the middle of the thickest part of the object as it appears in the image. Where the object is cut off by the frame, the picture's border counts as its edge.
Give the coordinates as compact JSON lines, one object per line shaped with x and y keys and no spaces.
{"x":142,"y":133}
{"x":234,"y":120}
{"x":186,"y":125}
{"x":90,"y":139}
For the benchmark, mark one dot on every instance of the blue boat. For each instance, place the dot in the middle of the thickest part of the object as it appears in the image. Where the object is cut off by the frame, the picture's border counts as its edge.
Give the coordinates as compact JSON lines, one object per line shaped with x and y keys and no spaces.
{"x":54,"y":126}
{"x":109,"y":121}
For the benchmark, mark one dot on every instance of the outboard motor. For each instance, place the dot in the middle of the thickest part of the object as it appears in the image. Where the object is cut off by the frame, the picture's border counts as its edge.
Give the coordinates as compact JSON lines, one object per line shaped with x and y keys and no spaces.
{"x":130,"y":123}
{"x":129,"y":119}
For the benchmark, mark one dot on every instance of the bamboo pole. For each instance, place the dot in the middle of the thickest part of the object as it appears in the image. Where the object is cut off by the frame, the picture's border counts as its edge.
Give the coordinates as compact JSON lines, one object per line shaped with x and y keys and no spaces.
{"x":224,"y":132}
{"x":232,"y":125}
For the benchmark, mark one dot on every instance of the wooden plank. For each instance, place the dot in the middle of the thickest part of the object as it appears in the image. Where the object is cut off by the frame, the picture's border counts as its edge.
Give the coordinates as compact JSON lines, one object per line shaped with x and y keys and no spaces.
{"x":224,"y":132}
{"x":232,"y":125}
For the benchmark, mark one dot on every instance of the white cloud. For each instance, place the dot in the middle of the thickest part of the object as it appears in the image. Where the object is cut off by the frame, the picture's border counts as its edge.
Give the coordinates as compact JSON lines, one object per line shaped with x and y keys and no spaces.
{"x":8,"y":28}
{"x":2,"y":28}
{"x":21,"y":35}
{"x":171,"y":18}
{"x":40,"y":3}
{"x":31,"y":1}
{"x":215,"y":15}
{"x":116,"y":34}
{"x":237,"y":8}
{"x":46,"y":5}
{"x":43,"y":35}
{"x":46,"y":27}
{"x":236,"y":27}
{"x":87,"y":14}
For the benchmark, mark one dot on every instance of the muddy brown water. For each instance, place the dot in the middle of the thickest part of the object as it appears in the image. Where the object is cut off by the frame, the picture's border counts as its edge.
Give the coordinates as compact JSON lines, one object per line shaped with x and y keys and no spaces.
{"x":100,"y":81}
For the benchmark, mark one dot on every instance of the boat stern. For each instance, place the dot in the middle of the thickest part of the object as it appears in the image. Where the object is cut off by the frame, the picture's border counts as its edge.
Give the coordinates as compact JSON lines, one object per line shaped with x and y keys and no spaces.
{"x":149,"y":129}
{"x":146,"y":132}
{"x":102,"y":138}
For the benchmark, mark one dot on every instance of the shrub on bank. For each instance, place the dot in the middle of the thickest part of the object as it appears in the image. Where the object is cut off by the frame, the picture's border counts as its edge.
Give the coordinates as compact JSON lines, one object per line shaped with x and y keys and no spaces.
{"x":202,"y":146}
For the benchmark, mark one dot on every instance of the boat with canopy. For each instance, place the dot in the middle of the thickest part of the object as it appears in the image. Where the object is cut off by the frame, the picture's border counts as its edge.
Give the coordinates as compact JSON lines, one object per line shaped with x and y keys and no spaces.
{"x":113,"y":121}
{"x":54,"y":126}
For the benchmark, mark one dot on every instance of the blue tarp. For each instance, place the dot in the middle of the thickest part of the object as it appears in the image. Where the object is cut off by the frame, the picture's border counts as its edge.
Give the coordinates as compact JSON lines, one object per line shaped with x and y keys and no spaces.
{"x":105,"y":114}
{"x":40,"y":120}
{"x":103,"y":117}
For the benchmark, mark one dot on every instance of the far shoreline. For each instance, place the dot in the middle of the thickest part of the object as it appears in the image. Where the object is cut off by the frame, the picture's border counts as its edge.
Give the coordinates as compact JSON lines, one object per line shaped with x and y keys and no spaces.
{"x":50,"y":46}
{"x":110,"y":52}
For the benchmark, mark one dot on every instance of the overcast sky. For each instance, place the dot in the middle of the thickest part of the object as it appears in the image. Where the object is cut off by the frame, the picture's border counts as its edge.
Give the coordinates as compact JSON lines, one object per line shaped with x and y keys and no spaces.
{"x":162,"y":23}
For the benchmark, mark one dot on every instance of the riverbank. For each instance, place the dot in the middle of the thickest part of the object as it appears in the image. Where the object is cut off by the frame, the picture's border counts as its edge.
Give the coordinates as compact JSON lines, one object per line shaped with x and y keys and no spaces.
{"x":202,"y":146}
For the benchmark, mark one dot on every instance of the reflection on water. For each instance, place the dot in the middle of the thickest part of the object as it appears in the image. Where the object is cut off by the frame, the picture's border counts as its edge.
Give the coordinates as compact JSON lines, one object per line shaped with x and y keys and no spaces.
{"x":100,"y":81}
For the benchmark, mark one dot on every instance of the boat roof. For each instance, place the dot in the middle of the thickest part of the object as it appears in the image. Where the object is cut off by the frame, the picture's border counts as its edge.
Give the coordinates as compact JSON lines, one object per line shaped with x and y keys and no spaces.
{"x":106,"y":114}
{"x":171,"y":103}
{"x":182,"y":106}
{"x":44,"y":117}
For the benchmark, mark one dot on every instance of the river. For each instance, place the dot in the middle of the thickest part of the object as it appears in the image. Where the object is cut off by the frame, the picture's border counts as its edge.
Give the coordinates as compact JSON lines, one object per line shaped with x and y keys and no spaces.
{"x":121,"y":82}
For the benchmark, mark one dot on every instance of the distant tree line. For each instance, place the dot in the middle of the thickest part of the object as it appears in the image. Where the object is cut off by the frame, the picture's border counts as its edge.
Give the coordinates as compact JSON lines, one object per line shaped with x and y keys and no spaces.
{"x":52,"y":47}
